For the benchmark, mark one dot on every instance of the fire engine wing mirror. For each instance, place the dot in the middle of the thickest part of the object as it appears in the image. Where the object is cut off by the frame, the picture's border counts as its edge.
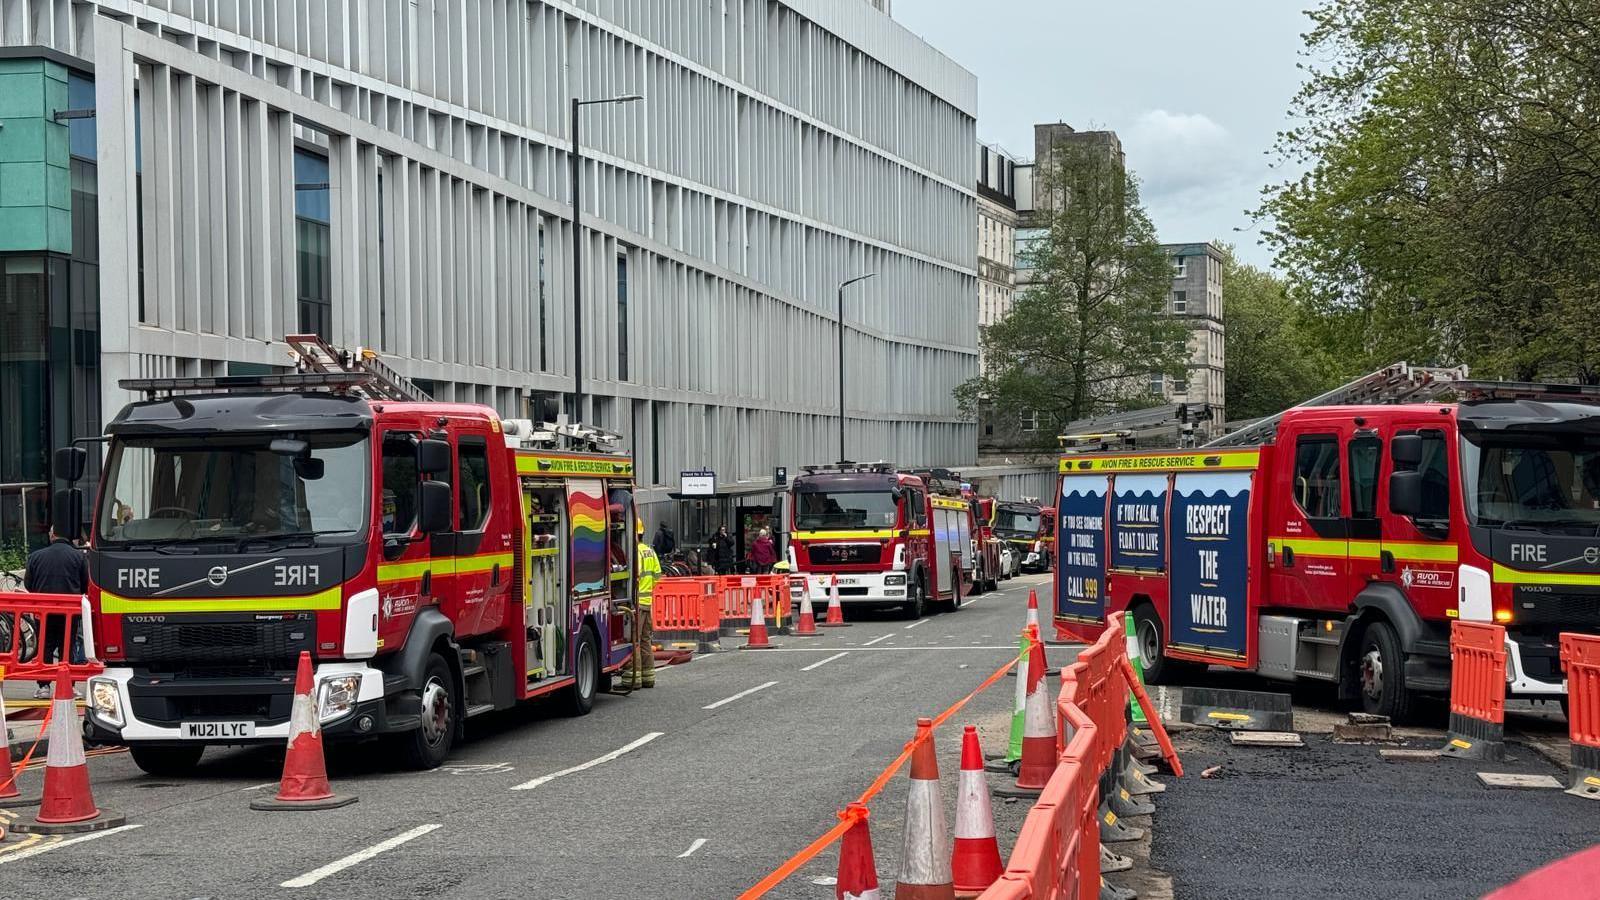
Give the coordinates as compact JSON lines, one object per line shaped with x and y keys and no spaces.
{"x":433,"y":507}
{"x":433,"y":456}
{"x":1405,"y":493}
{"x":1406,"y":451}
{"x":308,"y":468}
{"x":66,"y":513}
{"x":69,"y":463}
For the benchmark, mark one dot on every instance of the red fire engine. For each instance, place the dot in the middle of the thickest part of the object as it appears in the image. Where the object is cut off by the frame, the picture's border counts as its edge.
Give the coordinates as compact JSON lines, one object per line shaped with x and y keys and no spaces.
{"x":1337,"y":542}
{"x":893,"y":538}
{"x":436,"y":561}
{"x":985,"y":544}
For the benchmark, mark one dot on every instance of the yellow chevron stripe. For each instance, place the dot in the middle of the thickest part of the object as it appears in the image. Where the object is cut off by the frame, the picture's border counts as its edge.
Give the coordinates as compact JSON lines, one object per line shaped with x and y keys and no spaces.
{"x":322,"y":601}
{"x":843,"y":535}
{"x":1515,"y":576}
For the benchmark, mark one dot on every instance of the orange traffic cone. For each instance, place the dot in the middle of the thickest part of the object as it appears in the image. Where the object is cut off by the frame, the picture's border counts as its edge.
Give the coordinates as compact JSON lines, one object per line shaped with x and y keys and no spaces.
{"x":835,"y":611}
{"x":68,"y":804}
{"x":925,"y":856}
{"x":858,"y":871}
{"x":305,"y":773}
{"x":975,"y":864}
{"x":1038,"y":728}
{"x":10,"y":797}
{"x":1033,"y":607}
{"x":758,"y":627}
{"x":807,"y":624}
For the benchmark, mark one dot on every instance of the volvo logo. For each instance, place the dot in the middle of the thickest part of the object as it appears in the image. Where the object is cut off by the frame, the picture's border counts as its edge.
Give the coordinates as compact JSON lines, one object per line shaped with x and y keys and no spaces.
{"x":218,"y":576}
{"x":1591,"y":555}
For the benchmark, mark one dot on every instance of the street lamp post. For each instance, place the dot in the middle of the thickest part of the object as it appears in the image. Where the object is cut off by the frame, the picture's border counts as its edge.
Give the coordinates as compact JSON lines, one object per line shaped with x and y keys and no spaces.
{"x":842,"y":285}
{"x":577,"y":249}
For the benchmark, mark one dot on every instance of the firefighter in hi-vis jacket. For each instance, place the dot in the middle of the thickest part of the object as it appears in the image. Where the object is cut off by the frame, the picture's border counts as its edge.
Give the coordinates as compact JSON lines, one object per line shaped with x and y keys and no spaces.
{"x":642,"y":669}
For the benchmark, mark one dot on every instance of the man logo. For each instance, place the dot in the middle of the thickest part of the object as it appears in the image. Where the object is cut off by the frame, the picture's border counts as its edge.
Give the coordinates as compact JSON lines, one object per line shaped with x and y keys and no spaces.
{"x":218,"y":576}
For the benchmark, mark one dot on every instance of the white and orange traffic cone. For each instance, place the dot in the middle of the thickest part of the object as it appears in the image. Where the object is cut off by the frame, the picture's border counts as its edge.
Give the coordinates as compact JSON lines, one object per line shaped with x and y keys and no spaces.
{"x":858,"y":870}
{"x":68,"y":804}
{"x":925,"y":855}
{"x":975,"y":863}
{"x":758,"y":627}
{"x":305,"y":772}
{"x":806,"y":624}
{"x":1038,"y":728}
{"x":10,"y":797}
{"x":1033,"y":607}
{"x":835,"y":611}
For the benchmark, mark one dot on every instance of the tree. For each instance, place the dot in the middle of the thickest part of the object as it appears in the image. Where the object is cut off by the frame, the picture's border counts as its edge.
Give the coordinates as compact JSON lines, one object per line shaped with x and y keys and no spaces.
{"x":1087,"y":335}
{"x":1447,"y":213}
{"x":1275,"y":356}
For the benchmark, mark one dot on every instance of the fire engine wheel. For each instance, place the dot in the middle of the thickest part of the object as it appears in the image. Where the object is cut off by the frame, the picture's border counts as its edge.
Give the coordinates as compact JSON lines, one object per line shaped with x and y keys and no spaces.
{"x":1151,"y":641}
{"x":428,"y":745}
{"x":168,"y":762}
{"x":579,"y":698}
{"x":1382,"y":670}
{"x":917,"y":599}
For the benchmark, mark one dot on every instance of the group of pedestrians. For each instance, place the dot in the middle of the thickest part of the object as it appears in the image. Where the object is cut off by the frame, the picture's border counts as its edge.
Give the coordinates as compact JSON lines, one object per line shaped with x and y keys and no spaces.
{"x":722,"y":551}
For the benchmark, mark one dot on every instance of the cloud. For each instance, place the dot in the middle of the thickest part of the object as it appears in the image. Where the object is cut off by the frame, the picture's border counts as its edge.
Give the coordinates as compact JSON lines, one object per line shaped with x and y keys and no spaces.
{"x":1196,"y":177}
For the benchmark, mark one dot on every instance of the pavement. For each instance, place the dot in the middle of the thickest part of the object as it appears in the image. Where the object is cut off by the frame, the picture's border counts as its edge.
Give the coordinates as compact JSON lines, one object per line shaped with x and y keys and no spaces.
{"x":697,"y":788}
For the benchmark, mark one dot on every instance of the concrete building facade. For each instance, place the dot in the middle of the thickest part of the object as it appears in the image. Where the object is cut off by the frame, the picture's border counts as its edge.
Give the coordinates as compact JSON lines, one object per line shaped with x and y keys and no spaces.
{"x":1196,"y":299}
{"x":997,"y":233}
{"x":396,"y":176}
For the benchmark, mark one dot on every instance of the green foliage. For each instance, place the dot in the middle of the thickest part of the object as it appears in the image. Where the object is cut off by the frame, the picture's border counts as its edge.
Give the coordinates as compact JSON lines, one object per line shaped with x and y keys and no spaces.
{"x":1448,"y":211}
{"x":13,"y":556}
{"x":1086,"y":337}
{"x":1275,"y":355}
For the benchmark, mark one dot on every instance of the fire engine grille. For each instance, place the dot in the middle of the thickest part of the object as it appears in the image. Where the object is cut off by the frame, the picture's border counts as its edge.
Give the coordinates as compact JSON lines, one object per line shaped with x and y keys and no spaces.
{"x":276,"y":641}
{"x":1568,"y":610}
{"x":838,"y":554}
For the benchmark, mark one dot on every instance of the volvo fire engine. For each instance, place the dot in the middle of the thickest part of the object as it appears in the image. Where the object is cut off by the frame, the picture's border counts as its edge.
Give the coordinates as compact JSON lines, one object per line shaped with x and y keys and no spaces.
{"x":1027,"y":527}
{"x":892,"y":538}
{"x":1338,"y":540}
{"x":435,"y":560}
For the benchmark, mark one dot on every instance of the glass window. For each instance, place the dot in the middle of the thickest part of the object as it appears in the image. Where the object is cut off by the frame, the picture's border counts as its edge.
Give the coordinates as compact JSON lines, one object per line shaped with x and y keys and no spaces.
{"x":1180,"y":267}
{"x":472,"y":484}
{"x":919,"y":508}
{"x":1364,"y":455}
{"x":399,"y":510}
{"x":1316,"y":476}
{"x":313,"y":244}
{"x":544,"y":347}
{"x":1030,"y":421}
{"x":1158,"y":383}
{"x":1435,"y":469}
{"x":24,"y":377}
{"x":1549,"y":482}
{"x":1180,"y":301}
{"x":845,"y":509}
{"x":622,"y":318}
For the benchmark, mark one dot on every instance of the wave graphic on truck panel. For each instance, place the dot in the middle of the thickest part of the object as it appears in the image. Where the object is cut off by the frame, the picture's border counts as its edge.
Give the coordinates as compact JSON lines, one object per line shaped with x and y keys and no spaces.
{"x":587,"y":512}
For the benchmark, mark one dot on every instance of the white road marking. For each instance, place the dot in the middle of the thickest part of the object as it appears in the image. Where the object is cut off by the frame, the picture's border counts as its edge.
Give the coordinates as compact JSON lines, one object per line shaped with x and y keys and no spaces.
{"x":916,"y":623}
{"x":599,"y":760}
{"x":47,"y":847}
{"x":881,"y":637}
{"x":698,"y":843}
{"x":1011,"y":647}
{"x":726,"y":700}
{"x":257,"y":787}
{"x":823,"y":662}
{"x":360,"y":856}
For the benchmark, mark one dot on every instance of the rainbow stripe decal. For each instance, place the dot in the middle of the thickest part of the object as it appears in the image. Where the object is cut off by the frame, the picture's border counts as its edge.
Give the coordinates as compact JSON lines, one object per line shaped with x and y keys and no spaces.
{"x":586,"y":510}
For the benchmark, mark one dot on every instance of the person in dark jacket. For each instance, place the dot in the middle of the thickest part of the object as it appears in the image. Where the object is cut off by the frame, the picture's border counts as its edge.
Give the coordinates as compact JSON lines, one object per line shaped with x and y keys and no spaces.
{"x":722,"y":550}
{"x":664,"y":542}
{"x":57,"y":568}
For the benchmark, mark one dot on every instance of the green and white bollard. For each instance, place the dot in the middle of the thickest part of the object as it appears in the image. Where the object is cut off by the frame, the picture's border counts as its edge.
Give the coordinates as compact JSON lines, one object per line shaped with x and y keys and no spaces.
{"x":1138,"y":667}
{"x":1014,"y":749}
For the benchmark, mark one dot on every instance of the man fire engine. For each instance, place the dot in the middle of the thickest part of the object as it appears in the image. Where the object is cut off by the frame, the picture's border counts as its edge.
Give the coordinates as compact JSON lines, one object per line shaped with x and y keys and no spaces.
{"x":437,"y":561}
{"x":1338,"y":540}
{"x":893,"y":538}
{"x":1023,"y":526}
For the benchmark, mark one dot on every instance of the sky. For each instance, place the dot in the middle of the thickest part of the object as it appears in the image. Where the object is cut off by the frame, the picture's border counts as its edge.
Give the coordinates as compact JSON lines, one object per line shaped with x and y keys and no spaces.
{"x":1196,"y":91}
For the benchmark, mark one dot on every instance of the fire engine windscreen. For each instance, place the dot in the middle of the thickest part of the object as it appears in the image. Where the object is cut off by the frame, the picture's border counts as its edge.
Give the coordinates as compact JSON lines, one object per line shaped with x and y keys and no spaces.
{"x":236,"y":488}
{"x":1013,"y":522}
{"x":845,"y":509}
{"x":1544,"y":482}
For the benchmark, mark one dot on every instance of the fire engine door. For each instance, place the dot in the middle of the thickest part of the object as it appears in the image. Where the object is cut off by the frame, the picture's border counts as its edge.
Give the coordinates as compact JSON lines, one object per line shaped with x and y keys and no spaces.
{"x":1307,"y":528}
{"x":544,"y":579}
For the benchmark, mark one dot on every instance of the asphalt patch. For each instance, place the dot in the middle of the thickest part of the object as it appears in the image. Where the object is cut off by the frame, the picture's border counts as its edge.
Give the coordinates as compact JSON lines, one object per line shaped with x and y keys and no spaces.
{"x":1336,"y":821}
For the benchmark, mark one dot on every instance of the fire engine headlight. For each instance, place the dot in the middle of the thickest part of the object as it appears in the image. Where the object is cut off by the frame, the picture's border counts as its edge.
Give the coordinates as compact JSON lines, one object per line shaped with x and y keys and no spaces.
{"x":1511,"y":663}
{"x":106,"y":698}
{"x":338,"y":695}
{"x":894,"y":579}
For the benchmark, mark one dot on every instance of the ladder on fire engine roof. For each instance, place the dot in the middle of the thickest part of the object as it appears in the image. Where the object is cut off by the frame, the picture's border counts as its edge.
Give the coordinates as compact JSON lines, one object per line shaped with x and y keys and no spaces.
{"x":1397,"y":383}
{"x":313,"y":356}
{"x":572,"y":437}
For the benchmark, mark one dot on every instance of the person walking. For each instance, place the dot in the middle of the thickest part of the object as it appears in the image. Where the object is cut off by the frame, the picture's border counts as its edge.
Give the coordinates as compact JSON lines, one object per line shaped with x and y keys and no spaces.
{"x":57,"y":568}
{"x":764,"y":552}
{"x":642,"y":668}
{"x":722,"y":551}
{"x":665,"y":541}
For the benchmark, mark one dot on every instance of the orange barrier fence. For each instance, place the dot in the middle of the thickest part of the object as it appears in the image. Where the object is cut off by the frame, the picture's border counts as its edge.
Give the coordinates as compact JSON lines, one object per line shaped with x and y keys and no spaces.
{"x":714,"y":603}
{"x":1580,"y":656}
{"x":1477,"y":691}
{"x":1057,"y":853}
{"x":40,"y":635}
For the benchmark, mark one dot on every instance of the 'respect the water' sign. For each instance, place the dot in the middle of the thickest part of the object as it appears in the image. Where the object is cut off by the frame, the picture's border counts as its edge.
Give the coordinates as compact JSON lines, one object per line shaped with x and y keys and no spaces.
{"x":1210,"y":562}
{"x":1080,"y":549}
{"x":1139,"y":523}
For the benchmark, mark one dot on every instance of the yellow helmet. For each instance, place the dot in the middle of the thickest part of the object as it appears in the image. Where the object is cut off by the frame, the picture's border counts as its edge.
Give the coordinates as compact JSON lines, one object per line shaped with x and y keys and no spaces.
{"x":638,"y":526}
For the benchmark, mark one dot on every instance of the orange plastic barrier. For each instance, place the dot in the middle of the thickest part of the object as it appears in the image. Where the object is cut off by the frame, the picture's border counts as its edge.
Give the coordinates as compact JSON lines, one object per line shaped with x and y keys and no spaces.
{"x":688,"y":609}
{"x":1477,"y":691}
{"x":1057,"y":854}
{"x":1580,"y":656}
{"x":31,"y":625}
{"x":740,"y":591}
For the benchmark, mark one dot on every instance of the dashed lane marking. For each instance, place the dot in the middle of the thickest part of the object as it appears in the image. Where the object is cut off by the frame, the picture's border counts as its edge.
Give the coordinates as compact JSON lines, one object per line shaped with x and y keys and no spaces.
{"x":916,"y":623}
{"x":822,"y":662}
{"x":698,"y":843}
{"x":881,"y":637}
{"x":47,"y":846}
{"x":745,"y":693}
{"x":599,"y":760}
{"x":1011,"y":647}
{"x":360,"y":856}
